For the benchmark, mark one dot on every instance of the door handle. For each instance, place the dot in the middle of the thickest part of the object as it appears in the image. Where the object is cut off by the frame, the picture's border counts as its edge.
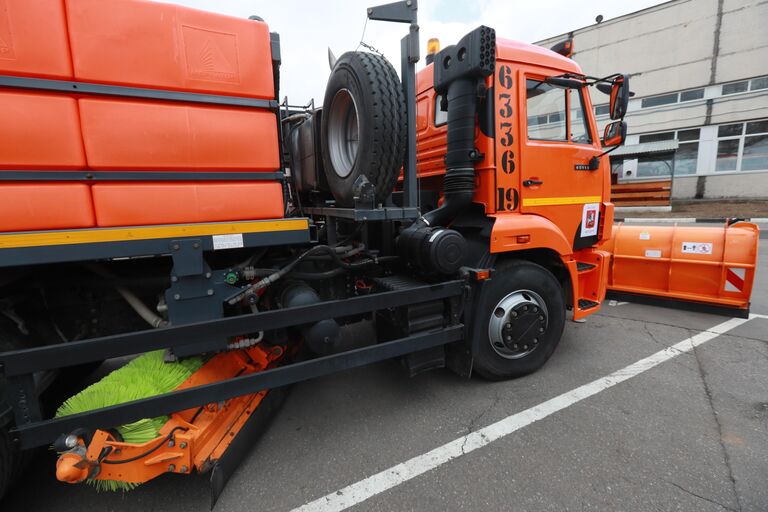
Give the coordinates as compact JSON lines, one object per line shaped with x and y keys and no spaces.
{"x":528,"y":183}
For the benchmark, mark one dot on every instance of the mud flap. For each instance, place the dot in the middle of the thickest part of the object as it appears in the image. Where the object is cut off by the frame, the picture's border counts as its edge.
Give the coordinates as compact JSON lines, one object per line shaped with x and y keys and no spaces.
{"x":248,"y":436}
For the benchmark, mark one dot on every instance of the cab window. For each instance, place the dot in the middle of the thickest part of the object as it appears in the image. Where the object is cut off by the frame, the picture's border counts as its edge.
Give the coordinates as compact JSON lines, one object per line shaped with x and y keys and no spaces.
{"x":546,"y":111}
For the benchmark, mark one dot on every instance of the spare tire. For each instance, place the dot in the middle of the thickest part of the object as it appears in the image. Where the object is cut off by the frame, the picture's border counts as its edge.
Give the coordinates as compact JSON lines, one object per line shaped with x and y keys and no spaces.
{"x":363,"y":126}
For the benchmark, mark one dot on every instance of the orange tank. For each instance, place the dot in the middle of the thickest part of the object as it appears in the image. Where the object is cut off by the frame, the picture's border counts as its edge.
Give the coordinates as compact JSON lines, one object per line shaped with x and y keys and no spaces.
{"x":164,"y":46}
{"x":33,"y":39}
{"x":39,"y":131}
{"x":135,"y":204}
{"x":30,"y":207}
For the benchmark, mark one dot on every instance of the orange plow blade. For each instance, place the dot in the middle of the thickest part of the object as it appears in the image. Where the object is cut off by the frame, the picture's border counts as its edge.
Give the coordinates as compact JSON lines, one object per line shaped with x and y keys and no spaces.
{"x":710,"y":266}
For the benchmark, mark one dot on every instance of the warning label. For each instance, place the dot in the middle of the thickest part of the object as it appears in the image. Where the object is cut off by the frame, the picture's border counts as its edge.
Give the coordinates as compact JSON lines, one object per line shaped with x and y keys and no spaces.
{"x":697,"y":248}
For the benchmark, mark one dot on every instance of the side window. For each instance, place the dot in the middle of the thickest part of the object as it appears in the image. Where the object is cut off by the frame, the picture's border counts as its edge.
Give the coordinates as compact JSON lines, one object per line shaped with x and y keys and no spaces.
{"x":545,"y":106}
{"x":579,"y":127}
{"x":547,"y":120}
{"x":441,"y":116}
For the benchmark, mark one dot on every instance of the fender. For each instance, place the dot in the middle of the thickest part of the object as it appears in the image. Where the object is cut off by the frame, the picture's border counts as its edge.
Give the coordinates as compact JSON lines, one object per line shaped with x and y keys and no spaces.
{"x":522,"y":232}
{"x":510,"y":229}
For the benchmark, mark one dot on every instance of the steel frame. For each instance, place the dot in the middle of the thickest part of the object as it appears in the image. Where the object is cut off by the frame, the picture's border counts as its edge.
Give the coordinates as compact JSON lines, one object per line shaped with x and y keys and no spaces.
{"x":19,"y":366}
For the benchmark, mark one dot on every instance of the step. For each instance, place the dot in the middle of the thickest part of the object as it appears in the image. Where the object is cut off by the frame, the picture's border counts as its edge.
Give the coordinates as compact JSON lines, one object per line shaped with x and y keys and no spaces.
{"x":584,"y":267}
{"x":585,"y":304}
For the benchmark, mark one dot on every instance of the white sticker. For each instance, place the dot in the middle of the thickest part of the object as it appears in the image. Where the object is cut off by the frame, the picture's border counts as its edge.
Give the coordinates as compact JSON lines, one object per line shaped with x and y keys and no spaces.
{"x":590,"y":217}
{"x":644,"y":235}
{"x":697,"y":248}
{"x":227,"y":241}
{"x":652,"y":253}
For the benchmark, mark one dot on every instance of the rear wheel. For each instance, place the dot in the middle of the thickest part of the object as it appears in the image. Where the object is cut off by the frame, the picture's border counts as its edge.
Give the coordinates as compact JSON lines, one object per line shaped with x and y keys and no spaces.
{"x":519,"y":318}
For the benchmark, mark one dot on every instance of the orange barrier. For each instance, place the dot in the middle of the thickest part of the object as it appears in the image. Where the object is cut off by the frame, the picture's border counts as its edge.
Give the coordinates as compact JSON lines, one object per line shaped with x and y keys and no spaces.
{"x":710,"y":265}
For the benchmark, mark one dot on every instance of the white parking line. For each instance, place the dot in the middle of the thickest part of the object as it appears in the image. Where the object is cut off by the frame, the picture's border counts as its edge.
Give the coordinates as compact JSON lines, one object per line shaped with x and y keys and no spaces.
{"x":367,"y":488}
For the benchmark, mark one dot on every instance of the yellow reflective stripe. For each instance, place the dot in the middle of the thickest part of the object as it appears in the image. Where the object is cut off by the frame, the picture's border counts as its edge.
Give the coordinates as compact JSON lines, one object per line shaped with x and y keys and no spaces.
{"x":98,"y":235}
{"x":552,"y":201}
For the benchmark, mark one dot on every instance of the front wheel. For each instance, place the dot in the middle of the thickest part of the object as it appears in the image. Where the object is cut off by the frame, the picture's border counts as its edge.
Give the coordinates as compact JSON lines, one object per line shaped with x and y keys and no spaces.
{"x":519,"y":318}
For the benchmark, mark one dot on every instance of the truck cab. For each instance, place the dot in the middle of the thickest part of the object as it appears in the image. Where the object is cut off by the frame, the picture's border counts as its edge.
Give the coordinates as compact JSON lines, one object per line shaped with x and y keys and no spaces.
{"x":544,"y":180}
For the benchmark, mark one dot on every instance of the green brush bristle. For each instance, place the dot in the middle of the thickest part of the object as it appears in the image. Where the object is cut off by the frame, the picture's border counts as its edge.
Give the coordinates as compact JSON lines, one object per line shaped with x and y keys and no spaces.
{"x":146,"y":376}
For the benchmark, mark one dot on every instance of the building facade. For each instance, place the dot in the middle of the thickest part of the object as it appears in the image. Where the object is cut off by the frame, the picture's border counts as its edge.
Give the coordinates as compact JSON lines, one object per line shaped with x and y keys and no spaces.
{"x":699,"y":71}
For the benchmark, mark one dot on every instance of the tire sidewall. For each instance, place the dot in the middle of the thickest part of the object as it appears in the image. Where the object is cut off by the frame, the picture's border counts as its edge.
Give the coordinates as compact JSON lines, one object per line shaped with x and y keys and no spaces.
{"x":344,"y":77}
{"x":508,"y":278}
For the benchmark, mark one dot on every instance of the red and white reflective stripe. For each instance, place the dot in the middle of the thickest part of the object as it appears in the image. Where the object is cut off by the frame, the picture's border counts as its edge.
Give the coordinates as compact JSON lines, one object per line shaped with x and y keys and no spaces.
{"x":734,"y":279}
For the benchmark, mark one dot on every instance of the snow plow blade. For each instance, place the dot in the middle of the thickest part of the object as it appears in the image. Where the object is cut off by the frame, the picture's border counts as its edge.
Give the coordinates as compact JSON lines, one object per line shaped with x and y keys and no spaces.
{"x":708,"y":269}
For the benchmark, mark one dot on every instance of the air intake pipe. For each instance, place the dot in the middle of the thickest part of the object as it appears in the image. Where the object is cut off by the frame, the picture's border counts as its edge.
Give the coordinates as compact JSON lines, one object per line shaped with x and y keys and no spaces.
{"x":459,"y":75}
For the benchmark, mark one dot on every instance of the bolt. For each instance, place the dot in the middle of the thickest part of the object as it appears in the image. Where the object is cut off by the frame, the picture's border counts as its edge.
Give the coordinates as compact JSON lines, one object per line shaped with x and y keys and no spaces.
{"x":541,"y":317}
{"x":177,"y":296}
{"x":514,"y":347}
{"x":525,"y":308}
{"x":541,"y":329}
{"x":525,"y":347}
{"x":210,"y":292}
{"x":514,"y":313}
{"x":171,"y":468}
{"x":535,"y":340}
{"x":176,"y":247}
{"x":171,"y":444}
{"x":184,"y":469}
{"x":182,"y":445}
{"x":509,"y":338}
{"x":196,"y":245}
{"x":207,"y":275}
{"x":174,"y":278}
{"x":508,"y":326}
{"x":535,"y":310}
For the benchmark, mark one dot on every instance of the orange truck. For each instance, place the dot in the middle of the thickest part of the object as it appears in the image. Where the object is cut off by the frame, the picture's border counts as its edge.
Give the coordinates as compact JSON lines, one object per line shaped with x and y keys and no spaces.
{"x":156,"y":196}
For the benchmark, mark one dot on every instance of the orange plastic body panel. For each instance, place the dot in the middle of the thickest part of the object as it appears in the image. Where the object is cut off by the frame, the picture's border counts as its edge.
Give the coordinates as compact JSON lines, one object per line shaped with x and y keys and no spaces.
{"x":33,"y":39}
{"x":537,"y":233}
{"x":30,"y":207}
{"x":713,"y":265}
{"x":137,"y":204}
{"x":39,"y":131}
{"x":156,"y":45}
{"x":141,"y":135}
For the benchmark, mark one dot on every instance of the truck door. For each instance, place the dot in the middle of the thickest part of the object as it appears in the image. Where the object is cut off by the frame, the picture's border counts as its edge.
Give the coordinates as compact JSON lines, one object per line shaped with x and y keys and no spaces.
{"x":557,"y":141}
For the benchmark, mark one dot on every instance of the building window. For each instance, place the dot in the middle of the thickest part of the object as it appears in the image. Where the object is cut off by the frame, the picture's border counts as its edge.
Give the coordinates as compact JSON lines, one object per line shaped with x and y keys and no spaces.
{"x":727,"y":155}
{"x":755,"y":156}
{"x":655,"y":166}
{"x":657,"y":137}
{"x":730,"y":130}
{"x":656,"y":101}
{"x":735,"y":87}
{"x":695,"y":94}
{"x":602,"y":110}
{"x":759,"y":83}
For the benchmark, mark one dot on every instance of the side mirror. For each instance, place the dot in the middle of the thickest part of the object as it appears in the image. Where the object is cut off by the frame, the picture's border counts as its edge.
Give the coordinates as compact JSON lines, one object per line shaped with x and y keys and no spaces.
{"x":619,"y":97}
{"x":614,"y":134}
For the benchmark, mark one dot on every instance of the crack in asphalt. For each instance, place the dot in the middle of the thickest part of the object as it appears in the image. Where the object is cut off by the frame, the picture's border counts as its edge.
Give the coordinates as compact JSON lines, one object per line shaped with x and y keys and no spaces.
{"x":726,"y":455}
{"x":473,"y":422}
{"x":603,"y":315}
{"x":700,"y":496}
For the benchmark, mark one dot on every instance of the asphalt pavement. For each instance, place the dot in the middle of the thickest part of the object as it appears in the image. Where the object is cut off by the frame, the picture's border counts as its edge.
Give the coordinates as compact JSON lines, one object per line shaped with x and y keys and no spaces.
{"x":598,"y":428}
